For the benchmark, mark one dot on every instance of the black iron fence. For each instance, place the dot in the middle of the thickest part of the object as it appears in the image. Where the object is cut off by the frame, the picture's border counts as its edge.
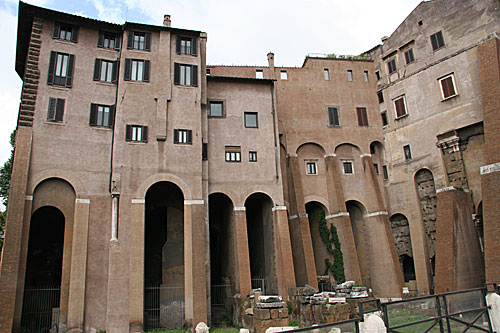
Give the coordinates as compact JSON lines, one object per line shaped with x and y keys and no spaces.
{"x":268,"y":284}
{"x":163,"y":307}
{"x":40,"y":312}
{"x":460,"y":311}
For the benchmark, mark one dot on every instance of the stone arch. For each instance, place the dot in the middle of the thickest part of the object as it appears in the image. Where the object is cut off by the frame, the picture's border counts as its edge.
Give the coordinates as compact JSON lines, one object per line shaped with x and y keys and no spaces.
{"x":319,"y":200}
{"x":357,"y":213}
{"x":163,"y":177}
{"x":347,"y":149}
{"x":378,"y":157}
{"x":232,"y":196}
{"x":57,"y":192}
{"x":68,"y":176}
{"x":305,"y":145}
{"x":426,"y":193}
{"x":401,"y":233}
{"x":259,"y":192}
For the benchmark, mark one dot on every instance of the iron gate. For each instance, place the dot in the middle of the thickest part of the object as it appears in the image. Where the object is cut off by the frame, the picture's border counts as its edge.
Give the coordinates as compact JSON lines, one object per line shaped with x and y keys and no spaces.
{"x":40,"y":311}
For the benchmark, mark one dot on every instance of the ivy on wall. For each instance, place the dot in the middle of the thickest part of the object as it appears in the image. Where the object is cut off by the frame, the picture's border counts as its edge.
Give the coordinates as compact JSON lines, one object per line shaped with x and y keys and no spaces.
{"x":329,"y":237}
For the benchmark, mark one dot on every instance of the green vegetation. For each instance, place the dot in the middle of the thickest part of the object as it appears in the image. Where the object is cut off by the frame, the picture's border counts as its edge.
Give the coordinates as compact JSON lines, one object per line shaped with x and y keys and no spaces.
{"x":329,"y":237}
{"x":363,"y":56}
{"x":292,"y":323}
{"x":5,"y":172}
{"x":403,"y":317}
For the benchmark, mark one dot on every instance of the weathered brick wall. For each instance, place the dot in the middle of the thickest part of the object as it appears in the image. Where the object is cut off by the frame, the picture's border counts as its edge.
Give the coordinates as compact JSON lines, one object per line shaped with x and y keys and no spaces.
{"x":401,"y":233}
{"x":427,"y":194}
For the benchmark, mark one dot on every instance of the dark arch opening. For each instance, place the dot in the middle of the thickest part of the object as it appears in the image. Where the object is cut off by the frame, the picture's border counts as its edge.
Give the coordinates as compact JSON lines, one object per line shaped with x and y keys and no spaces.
{"x":42,"y":286}
{"x":401,"y":232}
{"x":258,"y":208}
{"x":356,"y":214}
{"x":314,"y":211}
{"x":164,"y":257}
{"x":408,"y":267}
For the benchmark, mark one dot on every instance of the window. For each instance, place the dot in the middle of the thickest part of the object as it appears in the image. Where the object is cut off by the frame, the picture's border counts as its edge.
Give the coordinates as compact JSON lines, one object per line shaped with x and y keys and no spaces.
{"x":362,"y":117}
{"x":380,"y":96}
{"x":447,"y":84}
{"x":186,"y":45}
{"x":139,"y":40}
{"x":348,"y":169}
{"x":311,"y":168}
{"x":109,"y":40}
{"x":259,"y":74}
{"x":183,"y":136}
{"x":437,"y":40}
{"x":233,"y":154}
{"x":136,"y":133}
{"x":208,"y":71}
{"x":366,"y":76}
{"x":377,"y":75}
{"x":409,"y":56}
{"x":400,"y":106}
{"x":333,"y":116}
{"x":391,"y":65}
{"x":101,"y":115}
{"x":136,"y":70}
{"x":204,"y":151}
{"x":105,"y":70}
{"x":284,"y":75}
{"x":252,"y":156}
{"x":56,"y":109}
{"x":251,"y":120}
{"x":386,"y":173}
{"x":186,"y":75}
{"x":326,"y":74}
{"x":385,"y":121}
{"x":349,"y":75}
{"x":375,"y":166}
{"x":407,"y":152}
{"x":64,"y":31}
{"x":216,"y":109}
{"x":61,"y":69}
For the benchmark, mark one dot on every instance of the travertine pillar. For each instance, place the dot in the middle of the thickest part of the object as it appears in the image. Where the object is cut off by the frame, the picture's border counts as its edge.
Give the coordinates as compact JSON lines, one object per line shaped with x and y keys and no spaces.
{"x":195,"y":293}
{"x":285,"y":268}
{"x":136,"y":246}
{"x":243,"y":280}
{"x":78,"y":270}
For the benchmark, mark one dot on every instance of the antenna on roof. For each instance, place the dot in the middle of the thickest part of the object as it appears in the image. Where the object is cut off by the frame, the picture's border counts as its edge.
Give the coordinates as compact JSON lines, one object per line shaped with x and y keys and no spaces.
{"x":126,"y":14}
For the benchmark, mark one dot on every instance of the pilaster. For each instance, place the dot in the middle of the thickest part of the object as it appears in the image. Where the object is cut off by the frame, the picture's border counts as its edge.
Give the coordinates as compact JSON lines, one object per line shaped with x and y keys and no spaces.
{"x":243,"y":281}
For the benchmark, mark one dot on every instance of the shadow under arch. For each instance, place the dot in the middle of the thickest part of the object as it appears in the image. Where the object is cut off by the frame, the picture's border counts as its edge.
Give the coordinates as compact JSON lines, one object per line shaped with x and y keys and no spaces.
{"x":315,"y":212}
{"x":357,"y":213}
{"x":401,"y":233}
{"x":312,"y":146}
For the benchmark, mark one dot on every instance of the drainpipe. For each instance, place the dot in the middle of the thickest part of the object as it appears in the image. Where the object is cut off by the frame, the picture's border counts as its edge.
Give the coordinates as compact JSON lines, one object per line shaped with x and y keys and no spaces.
{"x":274,"y":132}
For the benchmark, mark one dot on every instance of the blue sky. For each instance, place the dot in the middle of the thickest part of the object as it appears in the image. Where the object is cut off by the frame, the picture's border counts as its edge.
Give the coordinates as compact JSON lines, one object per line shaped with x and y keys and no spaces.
{"x":240,"y":32}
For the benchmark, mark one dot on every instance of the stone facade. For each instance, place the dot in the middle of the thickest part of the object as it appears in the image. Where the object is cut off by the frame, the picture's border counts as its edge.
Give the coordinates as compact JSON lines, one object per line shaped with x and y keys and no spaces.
{"x":175,"y":184}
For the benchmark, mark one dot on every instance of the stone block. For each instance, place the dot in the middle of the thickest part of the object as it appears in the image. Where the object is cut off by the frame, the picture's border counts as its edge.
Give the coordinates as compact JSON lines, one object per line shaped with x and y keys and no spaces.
{"x":260,"y":326}
{"x":269,"y":305}
{"x":261,"y":314}
{"x":270,"y":299}
{"x":280,"y":329}
{"x":333,"y":300}
{"x":283,"y":313}
{"x":274,"y":313}
{"x":308,"y":290}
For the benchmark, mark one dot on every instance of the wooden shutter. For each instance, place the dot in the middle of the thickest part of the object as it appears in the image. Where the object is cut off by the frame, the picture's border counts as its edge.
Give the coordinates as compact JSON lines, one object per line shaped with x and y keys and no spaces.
{"x":128,"y":133}
{"x":176,"y":136}
{"x":360,"y":121}
{"x":57,"y":30}
{"x":51,"y":114}
{"x":74,"y":34}
{"x":194,"y":75}
{"x":400,"y":107}
{"x":114,"y":75}
{"x":144,"y":134}
{"x":118,"y":41}
{"x":52,"y":68}
{"x":97,"y":69}
{"x":59,"y":109}
{"x":111,"y":120}
{"x":130,"y":40}
{"x":447,"y":86}
{"x":204,"y":151}
{"x":100,"y":39}
{"x":194,"y":46}
{"x":145,"y":72}
{"x":190,"y":136}
{"x":434,"y":42}
{"x":147,"y":44}
{"x":93,"y":115}
{"x":177,"y":73}
{"x":178,"y":44}
{"x":128,"y":69}
{"x":69,"y":74}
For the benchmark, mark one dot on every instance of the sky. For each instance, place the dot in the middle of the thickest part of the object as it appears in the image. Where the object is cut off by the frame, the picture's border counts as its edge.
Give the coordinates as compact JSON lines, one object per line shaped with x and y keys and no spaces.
{"x":240,"y":32}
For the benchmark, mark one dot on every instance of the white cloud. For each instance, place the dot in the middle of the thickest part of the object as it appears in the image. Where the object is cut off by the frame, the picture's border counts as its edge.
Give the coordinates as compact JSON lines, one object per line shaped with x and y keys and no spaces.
{"x":108,"y":11}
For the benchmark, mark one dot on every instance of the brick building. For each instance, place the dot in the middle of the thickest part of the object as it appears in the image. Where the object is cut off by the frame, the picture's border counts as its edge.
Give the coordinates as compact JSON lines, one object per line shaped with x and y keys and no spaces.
{"x":149,"y":187}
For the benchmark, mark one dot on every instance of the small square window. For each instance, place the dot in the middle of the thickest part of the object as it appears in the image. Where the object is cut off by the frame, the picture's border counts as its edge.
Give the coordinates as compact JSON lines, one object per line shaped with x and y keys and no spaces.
{"x":311,"y":168}
{"x":186,"y":75}
{"x":409,"y":56}
{"x":366,"y":76}
{"x":375,"y":166}
{"x":377,"y":75}
{"x":208,"y":71}
{"x":56,"y":109}
{"x":333,"y":117}
{"x":252,"y":156}
{"x":136,"y":70}
{"x":139,"y":40}
{"x":437,"y":40}
{"x":186,"y":45}
{"x":65,"y":31}
{"x":385,"y":121}
{"x":326,"y":74}
{"x":216,"y":109}
{"x":349,"y":75}
{"x":447,"y":84}
{"x":233,"y":153}
{"x":259,"y":74}
{"x":136,"y":133}
{"x":61,"y":69}
{"x":101,"y":115}
{"x":251,"y":120}
{"x":380,"y":96}
{"x":386,"y":172}
{"x":391,"y":65}
{"x":407,"y":151}
{"x":284,"y":75}
{"x":362,"y":117}
{"x":108,"y":40}
{"x":400,"y":106}
{"x":183,"y":136}
{"x":348,"y":169}
{"x":105,"y":70}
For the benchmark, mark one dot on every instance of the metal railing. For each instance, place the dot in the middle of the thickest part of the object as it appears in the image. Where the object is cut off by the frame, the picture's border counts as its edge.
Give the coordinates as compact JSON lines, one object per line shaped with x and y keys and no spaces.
{"x":268,"y":284}
{"x":220,"y":293}
{"x":458,"y":311}
{"x":40,"y":312}
{"x":163,"y":307}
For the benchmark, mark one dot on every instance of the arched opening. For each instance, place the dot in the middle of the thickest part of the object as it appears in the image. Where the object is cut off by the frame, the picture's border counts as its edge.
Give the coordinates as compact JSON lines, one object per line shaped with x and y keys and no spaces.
{"x":222,"y":256}
{"x":478,"y":224}
{"x":42,"y":287}
{"x":164,"y":257}
{"x":356,"y":213}
{"x":315,"y":211}
{"x":259,"y":216}
{"x":377,"y":152}
{"x":401,"y":233}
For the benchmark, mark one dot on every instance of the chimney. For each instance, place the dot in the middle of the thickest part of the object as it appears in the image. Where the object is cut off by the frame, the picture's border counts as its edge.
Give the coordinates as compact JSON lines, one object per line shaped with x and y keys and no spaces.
{"x":166,"y":21}
{"x":383,"y":39}
{"x":270,"y":60}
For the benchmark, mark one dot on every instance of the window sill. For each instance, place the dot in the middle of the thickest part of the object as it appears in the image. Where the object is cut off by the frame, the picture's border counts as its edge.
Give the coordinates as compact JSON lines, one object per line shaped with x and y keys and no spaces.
{"x":58,"y":123}
{"x":185,"y":86}
{"x":106,"y":83}
{"x":402,"y":117}
{"x":183,"y":143}
{"x":57,"y":87}
{"x":100,"y":128}
{"x":187,"y":55}
{"x":334,"y":126}
{"x":311,"y":174}
{"x":448,"y":98}
{"x":108,"y":49}
{"x":136,"y":82}
{"x":138,"y":50}
{"x":136,"y":142}
{"x":64,"y":41}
